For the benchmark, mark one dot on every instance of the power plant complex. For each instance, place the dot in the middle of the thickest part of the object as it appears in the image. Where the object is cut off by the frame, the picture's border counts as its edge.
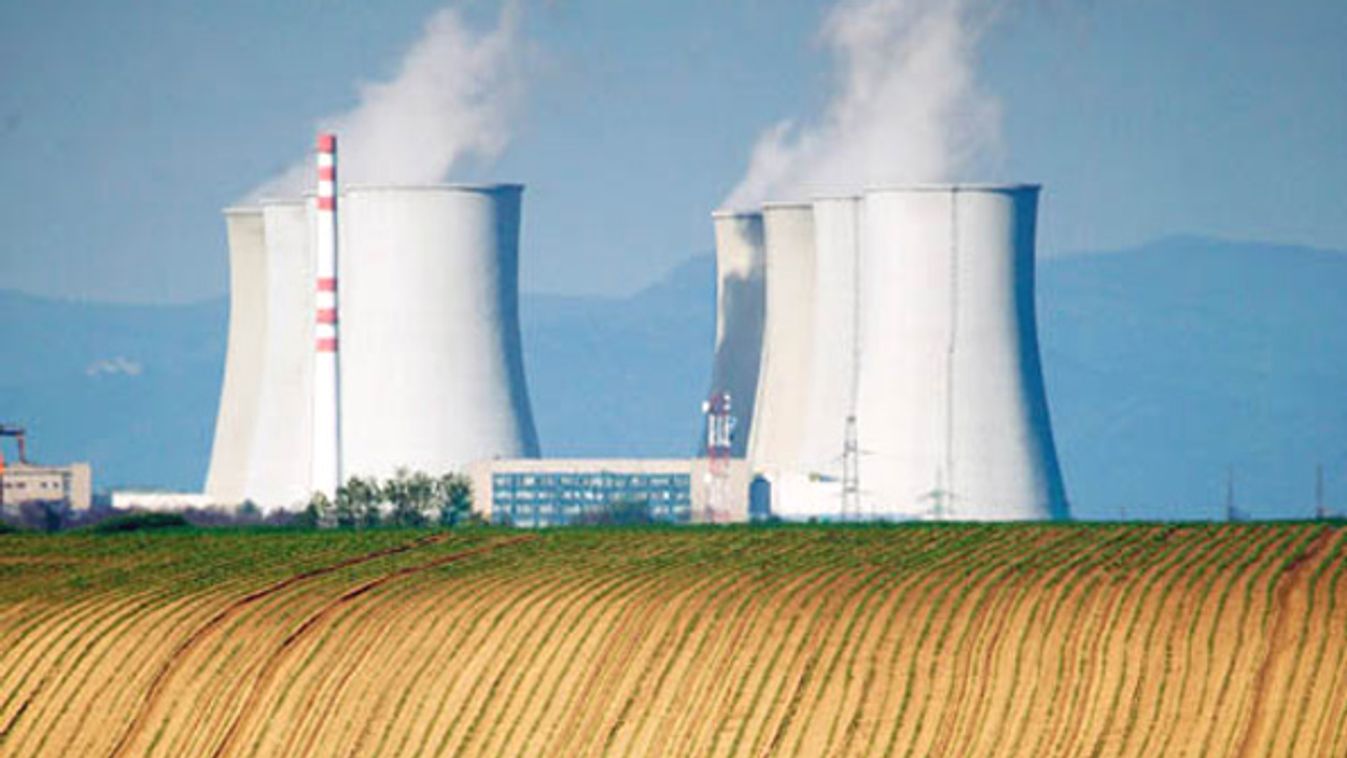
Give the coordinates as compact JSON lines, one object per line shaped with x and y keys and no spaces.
{"x":900,"y":374}
{"x":875,"y":357}
{"x":411,"y":357}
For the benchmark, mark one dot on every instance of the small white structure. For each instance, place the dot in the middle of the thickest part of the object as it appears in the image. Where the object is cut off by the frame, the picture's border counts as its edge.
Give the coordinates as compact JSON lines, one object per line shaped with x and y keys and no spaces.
{"x":431,"y":362}
{"x":164,"y":502}
{"x":236,"y":421}
{"x":740,"y":284}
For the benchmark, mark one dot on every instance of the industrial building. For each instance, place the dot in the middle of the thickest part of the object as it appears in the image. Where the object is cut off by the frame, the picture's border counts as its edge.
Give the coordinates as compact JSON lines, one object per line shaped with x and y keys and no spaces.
{"x":23,"y":482}
{"x":414,"y":361}
{"x":900,"y":374}
{"x":558,"y":491}
{"x":875,"y":356}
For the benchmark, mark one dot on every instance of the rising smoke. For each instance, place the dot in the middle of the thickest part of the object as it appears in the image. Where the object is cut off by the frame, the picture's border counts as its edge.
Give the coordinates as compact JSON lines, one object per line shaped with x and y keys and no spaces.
{"x":907,"y":106}
{"x":454,"y":97}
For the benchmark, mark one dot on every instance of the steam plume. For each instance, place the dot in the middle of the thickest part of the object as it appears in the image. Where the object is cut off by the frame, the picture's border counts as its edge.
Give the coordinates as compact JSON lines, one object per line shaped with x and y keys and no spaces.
{"x":907,"y":106}
{"x":453,"y":97}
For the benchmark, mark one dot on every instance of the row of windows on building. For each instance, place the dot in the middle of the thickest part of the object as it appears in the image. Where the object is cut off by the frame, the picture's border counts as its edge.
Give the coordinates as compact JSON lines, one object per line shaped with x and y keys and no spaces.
{"x":533,"y":500}
{"x":600,"y":479}
{"x":40,"y":484}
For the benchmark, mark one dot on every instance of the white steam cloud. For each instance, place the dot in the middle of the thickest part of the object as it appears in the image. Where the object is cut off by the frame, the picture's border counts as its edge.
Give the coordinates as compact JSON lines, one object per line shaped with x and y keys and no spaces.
{"x":907,"y":106}
{"x":455,"y":96}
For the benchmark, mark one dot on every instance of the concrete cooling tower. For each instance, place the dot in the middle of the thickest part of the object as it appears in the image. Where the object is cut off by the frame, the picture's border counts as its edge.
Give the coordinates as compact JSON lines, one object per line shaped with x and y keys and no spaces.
{"x":834,"y":358}
{"x":952,"y":416}
{"x":431,"y":367}
{"x":236,"y":420}
{"x":279,"y":467}
{"x":783,"y":377}
{"x":739,"y":317}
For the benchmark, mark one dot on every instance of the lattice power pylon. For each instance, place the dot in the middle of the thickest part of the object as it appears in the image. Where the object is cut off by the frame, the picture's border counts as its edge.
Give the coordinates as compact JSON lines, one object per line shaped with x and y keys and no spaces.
{"x":851,"y":473}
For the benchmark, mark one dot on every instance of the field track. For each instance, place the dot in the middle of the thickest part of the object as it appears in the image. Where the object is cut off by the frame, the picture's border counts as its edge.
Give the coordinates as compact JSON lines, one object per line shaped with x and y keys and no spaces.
{"x":1009,"y":640}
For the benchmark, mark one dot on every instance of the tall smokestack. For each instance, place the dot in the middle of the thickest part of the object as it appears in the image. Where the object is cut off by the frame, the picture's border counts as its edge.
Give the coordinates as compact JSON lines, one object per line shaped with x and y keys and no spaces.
{"x":326,"y":379}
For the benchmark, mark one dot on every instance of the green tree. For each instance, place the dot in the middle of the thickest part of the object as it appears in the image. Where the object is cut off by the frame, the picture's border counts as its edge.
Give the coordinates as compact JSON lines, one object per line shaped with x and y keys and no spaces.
{"x":412,"y":496}
{"x":358,"y":503}
{"x":315,"y":514}
{"x":453,"y":492}
{"x":248,"y":512}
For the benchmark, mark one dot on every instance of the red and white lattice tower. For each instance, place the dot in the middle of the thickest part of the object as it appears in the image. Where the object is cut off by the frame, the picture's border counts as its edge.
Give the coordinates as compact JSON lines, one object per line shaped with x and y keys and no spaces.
{"x":326,"y":376}
{"x":719,"y":445}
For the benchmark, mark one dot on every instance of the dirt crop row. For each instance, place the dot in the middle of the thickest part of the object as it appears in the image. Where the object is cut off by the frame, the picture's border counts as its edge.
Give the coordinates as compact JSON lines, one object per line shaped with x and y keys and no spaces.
{"x":1006,"y":640}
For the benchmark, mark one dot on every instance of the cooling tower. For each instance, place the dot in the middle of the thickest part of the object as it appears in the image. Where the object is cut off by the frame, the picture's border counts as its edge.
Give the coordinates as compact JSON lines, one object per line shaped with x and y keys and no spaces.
{"x":739,"y":317}
{"x":833,"y":363}
{"x":783,"y":377}
{"x":279,"y":472}
{"x":236,"y":420}
{"x":952,"y":416}
{"x":431,"y":367}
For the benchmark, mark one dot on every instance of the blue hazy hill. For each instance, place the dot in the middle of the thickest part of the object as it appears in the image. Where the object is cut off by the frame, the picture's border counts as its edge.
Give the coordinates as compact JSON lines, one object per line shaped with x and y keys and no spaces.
{"x":1166,"y":365}
{"x":130,"y":388}
{"x":1170,"y":364}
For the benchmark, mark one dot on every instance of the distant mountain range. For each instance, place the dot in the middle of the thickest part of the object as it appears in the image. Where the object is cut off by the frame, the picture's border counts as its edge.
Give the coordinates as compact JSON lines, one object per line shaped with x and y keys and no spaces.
{"x":1169,"y":366}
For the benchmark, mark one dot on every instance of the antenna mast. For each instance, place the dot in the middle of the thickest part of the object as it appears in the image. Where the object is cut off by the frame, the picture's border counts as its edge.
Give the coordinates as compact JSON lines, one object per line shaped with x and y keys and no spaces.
{"x":719,"y":441}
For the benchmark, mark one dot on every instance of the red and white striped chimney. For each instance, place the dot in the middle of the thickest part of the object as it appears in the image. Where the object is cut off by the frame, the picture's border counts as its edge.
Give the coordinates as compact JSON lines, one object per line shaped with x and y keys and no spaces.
{"x":326,"y":376}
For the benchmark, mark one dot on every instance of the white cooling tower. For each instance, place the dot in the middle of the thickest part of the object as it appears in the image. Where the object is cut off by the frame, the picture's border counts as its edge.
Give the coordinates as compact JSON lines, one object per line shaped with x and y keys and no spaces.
{"x":279,"y":471}
{"x":783,"y":379}
{"x":952,"y":416}
{"x":739,"y":317}
{"x":236,"y":419}
{"x":431,"y":366}
{"x":833,"y":363}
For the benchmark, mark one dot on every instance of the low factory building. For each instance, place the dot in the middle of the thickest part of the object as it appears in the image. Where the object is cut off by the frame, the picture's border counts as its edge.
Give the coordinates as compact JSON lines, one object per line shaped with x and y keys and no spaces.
{"x":160,"y":501}
{"x":564,"y":491}
{"x":23,"y":483}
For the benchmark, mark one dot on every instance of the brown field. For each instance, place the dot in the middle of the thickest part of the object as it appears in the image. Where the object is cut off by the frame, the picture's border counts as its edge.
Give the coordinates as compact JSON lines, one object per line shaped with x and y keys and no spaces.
{"x":1016,"y":640}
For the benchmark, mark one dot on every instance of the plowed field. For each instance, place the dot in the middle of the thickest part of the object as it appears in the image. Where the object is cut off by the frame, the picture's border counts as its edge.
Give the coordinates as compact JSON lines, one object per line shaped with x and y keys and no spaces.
{"x":1009,"y":640}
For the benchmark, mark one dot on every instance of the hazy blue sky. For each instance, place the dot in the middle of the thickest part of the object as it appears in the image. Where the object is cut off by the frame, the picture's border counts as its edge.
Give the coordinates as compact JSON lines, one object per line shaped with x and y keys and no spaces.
{"x":125,"y":127}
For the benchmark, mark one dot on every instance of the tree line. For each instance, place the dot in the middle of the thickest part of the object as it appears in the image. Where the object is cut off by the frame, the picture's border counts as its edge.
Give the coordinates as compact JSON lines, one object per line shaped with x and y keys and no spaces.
{"x":409,"y":499}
